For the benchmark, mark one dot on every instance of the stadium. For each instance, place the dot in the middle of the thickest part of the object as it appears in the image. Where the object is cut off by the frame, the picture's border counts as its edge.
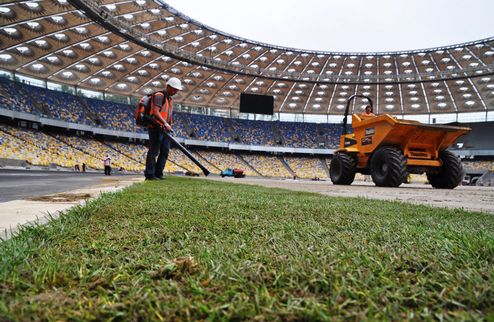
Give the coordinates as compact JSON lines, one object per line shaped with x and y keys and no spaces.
{"x":286,"y":242}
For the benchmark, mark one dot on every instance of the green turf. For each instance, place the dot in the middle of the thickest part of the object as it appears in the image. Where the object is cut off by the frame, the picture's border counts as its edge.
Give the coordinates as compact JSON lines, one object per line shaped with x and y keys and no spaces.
{"x":188,"y":249}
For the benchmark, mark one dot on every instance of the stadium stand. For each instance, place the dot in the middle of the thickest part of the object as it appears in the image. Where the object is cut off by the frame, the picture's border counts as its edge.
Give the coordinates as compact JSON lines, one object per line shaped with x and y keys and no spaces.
{"x":206,"y":128}
{"x":38,"y":148}
{"x":137,"y":152}
{"x":110,"y":115}
{"x":58,"y":105}
{"x":116,"y":116}
{"x":307,"y":168}
{"x":41,"y":149}
{"x":224,"y":160}
{"x":253,"y":132}
{"x":14,"y":98}
{"x":82,"y":67}
{"x":180,"y":125}
{"x":13,"y":147}
{"x":298,"y":135}
{"x":478,"y":165}
{"x":63,"y":150}
{"x":181,"y":160}
{"x":99,"y":152}
{"x":267,"y":165}
{"x":329,"y":135}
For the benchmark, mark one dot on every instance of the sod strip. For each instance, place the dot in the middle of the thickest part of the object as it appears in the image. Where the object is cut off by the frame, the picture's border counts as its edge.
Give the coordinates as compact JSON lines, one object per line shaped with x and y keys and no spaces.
{"x":188,"y":249}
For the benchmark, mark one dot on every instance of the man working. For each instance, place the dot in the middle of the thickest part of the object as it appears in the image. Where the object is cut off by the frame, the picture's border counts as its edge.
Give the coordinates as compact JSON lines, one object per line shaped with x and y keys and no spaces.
{"x":368,"y":111}
{"x":107,"y":165}
{"x":159,"y":144}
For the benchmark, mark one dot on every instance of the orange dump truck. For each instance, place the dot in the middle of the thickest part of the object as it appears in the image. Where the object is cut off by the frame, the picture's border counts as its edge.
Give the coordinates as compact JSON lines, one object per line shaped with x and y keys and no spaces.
{"x":389,"y":149}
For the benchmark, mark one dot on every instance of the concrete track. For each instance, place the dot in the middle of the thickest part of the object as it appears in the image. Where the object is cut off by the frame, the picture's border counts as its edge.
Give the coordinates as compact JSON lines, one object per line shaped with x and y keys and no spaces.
{"x":22,"y":184}
{"x":31,"y":196}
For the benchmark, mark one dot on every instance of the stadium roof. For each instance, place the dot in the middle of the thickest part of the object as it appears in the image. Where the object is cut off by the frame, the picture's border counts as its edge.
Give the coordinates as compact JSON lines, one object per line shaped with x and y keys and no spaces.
{"x":132,"y":47}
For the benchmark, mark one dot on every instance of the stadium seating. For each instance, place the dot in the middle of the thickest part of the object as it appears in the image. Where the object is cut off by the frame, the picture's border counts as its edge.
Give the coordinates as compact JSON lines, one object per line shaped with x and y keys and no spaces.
{"x":306,"y":167}
{"x":12,"y":147}
{"x":298,"y":135}
{"x":224,"y":160}
{"x":38,"y":148}
{"x":100,"y":151}
{"x":14,"y":98}
{"x":177,"y":162}
{"x":330,"y":135}
{"x":206,"y":128}
{"x":58,"y":105}
{"x":116,"y":116}
{"x":109,"y":115}
{"x":267,"y":165}
{"x":478,"y":165}
{"x":41,"y":149}
{"x":253,"y":132}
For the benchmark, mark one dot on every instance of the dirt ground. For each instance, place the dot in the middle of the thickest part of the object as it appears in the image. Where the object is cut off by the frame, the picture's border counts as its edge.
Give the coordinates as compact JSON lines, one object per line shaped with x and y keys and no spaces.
{"x":466,"y":197}
{"x":62,"y":197}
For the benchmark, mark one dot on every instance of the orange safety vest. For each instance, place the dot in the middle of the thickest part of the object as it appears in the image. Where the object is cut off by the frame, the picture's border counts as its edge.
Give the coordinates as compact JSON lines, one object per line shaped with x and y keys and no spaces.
{"x":166,"y":110}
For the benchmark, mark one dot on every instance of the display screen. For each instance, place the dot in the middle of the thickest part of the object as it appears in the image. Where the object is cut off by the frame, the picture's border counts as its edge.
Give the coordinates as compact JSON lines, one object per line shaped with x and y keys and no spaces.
{"x":256,"y":104}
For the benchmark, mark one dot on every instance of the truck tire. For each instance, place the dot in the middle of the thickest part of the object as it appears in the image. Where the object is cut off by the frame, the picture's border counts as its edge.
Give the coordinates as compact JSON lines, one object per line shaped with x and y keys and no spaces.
{"x":343,"y":168}
{"x":388,"y":167}
{"x":450,"y":174}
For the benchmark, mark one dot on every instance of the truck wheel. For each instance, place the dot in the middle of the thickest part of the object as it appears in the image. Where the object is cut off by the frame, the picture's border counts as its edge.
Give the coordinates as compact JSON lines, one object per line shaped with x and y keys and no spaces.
{"x":450,"y":174}
{"x":388,"y":167}
{"x":343,"y":168}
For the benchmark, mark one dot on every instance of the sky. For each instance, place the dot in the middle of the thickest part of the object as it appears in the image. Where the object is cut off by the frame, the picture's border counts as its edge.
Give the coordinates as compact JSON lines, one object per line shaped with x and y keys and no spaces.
{"x":347,"y":25}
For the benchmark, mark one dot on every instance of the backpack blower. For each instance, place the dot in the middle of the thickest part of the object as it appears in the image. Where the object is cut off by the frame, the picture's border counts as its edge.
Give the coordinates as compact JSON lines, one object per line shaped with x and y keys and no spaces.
{"x":143,"y":118}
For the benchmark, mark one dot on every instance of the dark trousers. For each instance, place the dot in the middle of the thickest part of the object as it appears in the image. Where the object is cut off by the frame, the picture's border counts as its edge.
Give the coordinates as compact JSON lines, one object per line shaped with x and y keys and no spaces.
{"x":159,"y":146}
{"x":107,"y":170}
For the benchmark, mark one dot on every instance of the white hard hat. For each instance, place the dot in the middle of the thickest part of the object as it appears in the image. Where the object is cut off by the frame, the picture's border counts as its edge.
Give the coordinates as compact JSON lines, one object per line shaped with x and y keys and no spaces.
{"x":175,"y":83}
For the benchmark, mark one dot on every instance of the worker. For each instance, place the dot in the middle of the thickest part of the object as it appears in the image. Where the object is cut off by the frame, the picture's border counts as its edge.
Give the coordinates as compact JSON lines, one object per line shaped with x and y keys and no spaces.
{"x":368,"y":111}
{"x":107,"y":165}
{"x":159,"y":144}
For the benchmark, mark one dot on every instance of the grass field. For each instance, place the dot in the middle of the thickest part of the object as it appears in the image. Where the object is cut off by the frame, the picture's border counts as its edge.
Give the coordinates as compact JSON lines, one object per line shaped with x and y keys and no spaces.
{"x":190,"y":249}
